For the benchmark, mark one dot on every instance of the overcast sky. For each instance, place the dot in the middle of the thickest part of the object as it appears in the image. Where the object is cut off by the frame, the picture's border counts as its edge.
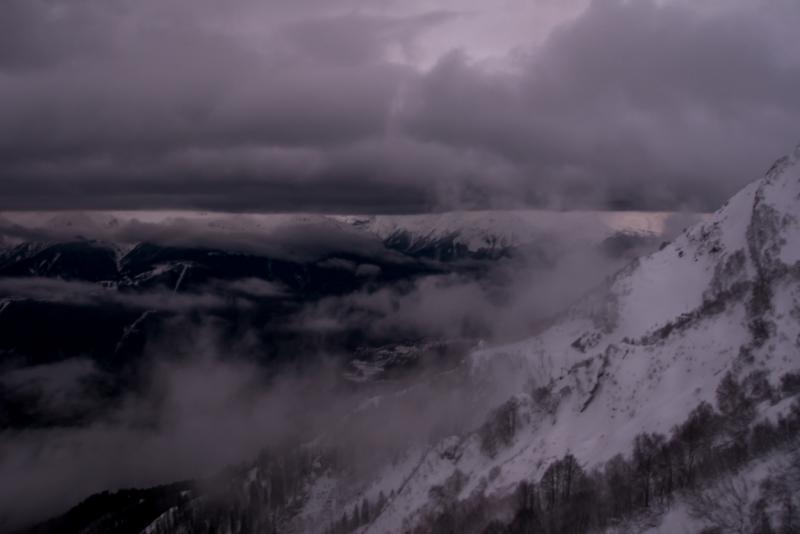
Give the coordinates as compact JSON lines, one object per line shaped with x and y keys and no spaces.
{"x":383,"y":106}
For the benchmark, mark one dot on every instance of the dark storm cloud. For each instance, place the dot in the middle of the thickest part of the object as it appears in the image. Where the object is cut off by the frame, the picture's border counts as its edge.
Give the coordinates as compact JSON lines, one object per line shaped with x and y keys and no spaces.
{"x":638,"y":105}
{"x":34,"y":35}
{"x":146,"y":105}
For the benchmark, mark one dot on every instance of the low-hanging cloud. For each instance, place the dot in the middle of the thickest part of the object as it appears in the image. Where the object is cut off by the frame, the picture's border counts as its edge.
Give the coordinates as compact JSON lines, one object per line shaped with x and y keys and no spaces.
{"x":204,"y":396}
{"x":77,"y":293}
{"x":629,"y":105}
{"x":205,"y":402}
{"x":506,"y":303}
{"x":203,"y":407}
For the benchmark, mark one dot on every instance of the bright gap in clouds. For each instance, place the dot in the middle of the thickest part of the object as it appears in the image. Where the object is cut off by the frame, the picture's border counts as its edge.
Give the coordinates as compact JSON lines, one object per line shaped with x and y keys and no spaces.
{"x":482,"y":29}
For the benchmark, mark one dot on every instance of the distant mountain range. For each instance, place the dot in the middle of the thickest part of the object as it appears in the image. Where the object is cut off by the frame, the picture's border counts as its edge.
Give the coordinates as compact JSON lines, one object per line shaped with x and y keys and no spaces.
{"x":270,"y":260}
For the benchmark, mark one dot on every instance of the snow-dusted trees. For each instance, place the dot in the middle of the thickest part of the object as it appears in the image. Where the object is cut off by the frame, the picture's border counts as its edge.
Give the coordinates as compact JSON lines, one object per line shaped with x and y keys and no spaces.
{"x":735,"y":405}
{"x":618,"y":480}
{"x":645,"y":451}
{"x":724,"y":505}
{"x":500,"y":427}
{"x":699,"y":456}
{"x":694,"y":438}
{"x":359,"y":515}
{"x":559,"y":480}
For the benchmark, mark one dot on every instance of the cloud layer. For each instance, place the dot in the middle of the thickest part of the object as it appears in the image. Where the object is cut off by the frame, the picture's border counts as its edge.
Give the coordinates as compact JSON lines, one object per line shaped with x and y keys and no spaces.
{"x":332,"y":107}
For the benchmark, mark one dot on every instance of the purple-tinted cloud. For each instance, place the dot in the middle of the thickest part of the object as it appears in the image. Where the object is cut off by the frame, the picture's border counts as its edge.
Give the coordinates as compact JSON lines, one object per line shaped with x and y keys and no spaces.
{"x":629,"y":105}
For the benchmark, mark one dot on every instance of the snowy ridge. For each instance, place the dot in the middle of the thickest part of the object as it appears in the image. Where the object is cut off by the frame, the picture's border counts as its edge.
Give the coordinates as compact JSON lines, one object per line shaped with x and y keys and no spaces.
{"x":123,"y":226}
{"x":493,"y":230}
{"x":475,"y":231}
{"x":637,"y":357}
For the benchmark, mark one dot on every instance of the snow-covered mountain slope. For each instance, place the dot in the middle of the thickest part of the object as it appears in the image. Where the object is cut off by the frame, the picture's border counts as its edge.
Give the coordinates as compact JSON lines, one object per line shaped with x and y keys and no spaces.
{"x":635,"y":356}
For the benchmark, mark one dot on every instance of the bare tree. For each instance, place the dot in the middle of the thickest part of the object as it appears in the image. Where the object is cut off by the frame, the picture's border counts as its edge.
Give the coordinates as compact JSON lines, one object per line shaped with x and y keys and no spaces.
{"x":723,"y":506}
